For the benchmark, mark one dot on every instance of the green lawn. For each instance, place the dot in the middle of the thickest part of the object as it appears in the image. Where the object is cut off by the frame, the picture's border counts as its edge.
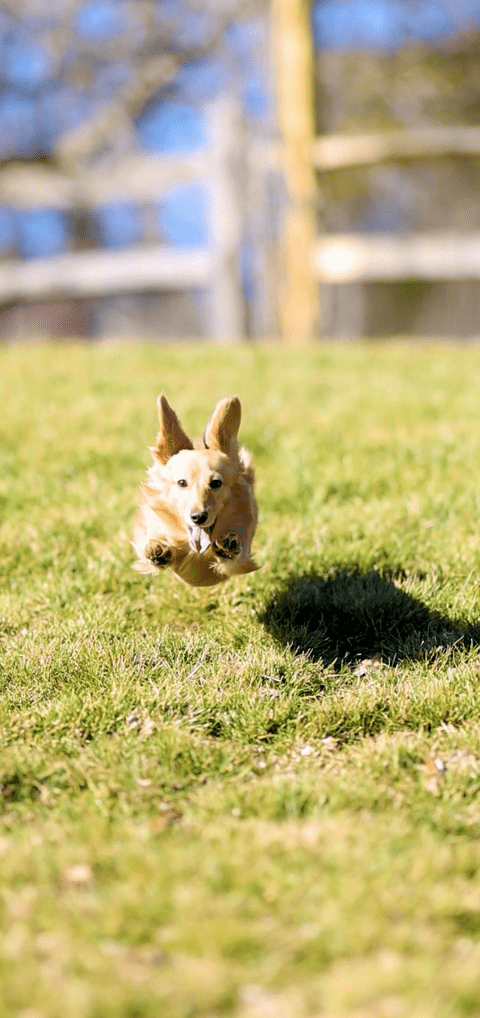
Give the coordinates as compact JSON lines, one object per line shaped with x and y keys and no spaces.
{"x":260,"y":800}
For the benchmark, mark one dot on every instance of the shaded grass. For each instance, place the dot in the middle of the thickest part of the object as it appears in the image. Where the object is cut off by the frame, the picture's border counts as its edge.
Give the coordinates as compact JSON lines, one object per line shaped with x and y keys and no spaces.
{"x":272,"y":787}
{"x":352,"y":615}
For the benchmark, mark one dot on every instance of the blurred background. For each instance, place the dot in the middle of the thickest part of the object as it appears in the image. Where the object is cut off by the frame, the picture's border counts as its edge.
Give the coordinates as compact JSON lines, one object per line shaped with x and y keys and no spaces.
{"x":228,"y":169}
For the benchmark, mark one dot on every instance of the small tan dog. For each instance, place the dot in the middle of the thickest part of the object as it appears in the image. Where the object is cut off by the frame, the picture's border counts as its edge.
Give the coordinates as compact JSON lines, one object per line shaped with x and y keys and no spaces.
{"x":197,"y":513}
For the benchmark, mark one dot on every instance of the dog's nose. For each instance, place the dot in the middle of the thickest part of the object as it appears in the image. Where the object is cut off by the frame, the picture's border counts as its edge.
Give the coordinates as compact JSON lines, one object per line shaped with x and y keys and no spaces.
{"x":199,"y":518}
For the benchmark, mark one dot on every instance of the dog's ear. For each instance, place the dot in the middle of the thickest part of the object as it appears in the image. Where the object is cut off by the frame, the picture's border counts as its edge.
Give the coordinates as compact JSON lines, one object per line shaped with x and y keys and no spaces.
{"x":171,"y":437}
{"x":222,"y":428}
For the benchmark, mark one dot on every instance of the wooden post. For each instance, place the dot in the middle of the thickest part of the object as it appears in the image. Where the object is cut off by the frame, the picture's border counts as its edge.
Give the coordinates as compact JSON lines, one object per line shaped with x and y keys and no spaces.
{"x":299,"y":299}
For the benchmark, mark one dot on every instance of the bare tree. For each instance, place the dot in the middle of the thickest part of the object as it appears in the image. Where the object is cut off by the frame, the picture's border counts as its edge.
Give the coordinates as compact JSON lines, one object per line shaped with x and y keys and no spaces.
{"x":122,"y":64}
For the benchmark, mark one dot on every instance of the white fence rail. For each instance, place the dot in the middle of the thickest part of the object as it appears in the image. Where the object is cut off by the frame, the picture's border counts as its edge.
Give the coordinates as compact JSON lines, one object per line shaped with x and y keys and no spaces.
{"x":99,"y":273}
{"x":137,"y":178}
{"x":349,"y":258}
{"x":340,"y":151}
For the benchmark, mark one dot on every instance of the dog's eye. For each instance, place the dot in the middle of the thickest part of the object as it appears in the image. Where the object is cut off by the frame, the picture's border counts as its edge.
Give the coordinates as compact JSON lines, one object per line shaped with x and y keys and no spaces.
{"x":216,"y":482}
{"x":182,"y":483}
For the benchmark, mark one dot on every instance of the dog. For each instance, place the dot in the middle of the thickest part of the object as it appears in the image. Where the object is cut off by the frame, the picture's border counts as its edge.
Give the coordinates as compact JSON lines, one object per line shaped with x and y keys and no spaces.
{"x":197,"y":513}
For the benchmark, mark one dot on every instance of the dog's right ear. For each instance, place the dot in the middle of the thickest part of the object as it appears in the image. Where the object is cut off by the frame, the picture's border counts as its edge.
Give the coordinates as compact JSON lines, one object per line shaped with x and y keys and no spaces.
{"x":222,"y":428}
{"x":171,"y":437}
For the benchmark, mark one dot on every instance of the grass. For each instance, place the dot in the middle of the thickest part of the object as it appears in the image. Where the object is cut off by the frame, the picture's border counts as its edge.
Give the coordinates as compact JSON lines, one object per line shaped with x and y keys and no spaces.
{"x":261,"y":799}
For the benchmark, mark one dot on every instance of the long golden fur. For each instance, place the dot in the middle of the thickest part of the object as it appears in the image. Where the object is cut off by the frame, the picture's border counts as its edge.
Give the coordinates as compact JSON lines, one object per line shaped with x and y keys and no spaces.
{"x":197,"y":512}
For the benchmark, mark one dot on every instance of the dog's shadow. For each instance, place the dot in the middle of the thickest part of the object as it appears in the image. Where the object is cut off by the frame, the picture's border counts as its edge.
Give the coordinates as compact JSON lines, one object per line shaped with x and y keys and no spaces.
{"x":354,"y":615}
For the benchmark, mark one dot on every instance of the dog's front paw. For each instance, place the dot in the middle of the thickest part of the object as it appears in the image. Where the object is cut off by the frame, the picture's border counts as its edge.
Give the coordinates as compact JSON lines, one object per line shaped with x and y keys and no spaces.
{"x":227,"y":546}
{"x":159,"y":554}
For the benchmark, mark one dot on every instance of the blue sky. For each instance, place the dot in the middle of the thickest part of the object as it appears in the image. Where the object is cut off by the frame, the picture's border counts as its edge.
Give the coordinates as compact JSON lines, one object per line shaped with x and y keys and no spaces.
{"x":35,"y":107}
{"x":383,"y":24}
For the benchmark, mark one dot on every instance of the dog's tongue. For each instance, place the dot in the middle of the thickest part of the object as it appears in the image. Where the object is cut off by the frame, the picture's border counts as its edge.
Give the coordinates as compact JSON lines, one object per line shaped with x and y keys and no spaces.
{"x":199,"y":539}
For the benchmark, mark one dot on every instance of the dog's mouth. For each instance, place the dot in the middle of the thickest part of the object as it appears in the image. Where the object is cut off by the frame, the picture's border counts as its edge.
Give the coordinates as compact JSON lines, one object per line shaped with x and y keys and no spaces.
{"x":200,"y":538}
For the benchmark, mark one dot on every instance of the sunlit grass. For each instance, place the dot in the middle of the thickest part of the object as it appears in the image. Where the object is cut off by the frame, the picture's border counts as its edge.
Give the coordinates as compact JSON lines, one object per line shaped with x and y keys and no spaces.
{"x":259,"y":799}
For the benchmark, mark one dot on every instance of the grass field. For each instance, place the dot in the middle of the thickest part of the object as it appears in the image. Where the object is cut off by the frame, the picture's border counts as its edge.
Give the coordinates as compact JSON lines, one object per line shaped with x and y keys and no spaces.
{"x":260,"y":800}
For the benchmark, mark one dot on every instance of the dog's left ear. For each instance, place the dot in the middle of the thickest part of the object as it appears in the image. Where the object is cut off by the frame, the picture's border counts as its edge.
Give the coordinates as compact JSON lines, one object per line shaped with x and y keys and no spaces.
{"x":171,"y":437}
{"x":222,"y":428}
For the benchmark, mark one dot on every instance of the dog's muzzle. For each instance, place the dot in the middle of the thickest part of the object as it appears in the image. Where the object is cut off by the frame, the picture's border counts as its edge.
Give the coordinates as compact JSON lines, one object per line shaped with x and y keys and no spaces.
{"x":200,"y":539}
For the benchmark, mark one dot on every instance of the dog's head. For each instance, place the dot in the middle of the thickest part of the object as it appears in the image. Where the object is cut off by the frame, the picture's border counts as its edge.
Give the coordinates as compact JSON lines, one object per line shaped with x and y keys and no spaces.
{"x":199,"y":480}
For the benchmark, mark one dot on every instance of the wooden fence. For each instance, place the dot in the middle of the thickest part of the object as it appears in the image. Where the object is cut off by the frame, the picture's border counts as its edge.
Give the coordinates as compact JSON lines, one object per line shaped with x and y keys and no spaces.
{"x":142,"y":179}
{"x":436,"y":255}
{"x":303,"y":260}
{"x":311,"y":260}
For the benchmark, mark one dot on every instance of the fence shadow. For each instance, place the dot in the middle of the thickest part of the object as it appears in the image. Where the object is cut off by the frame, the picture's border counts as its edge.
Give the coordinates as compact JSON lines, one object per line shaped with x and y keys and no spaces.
{"x":353,"y":615}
